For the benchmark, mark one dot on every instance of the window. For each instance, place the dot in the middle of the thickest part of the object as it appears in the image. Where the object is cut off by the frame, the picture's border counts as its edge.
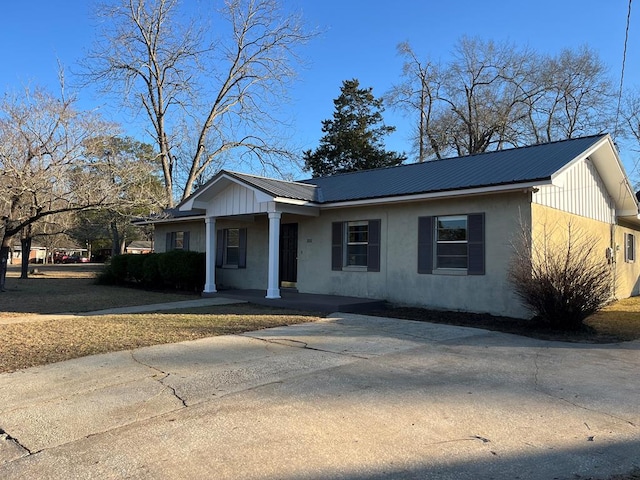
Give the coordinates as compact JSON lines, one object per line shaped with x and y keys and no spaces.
{"x":357,"y":242}
{"x":629,"y":247}
{"x":356,"y":245}
{"x":231,"y":248}
{"x":177,"y":241}
{"x":452,"y":243}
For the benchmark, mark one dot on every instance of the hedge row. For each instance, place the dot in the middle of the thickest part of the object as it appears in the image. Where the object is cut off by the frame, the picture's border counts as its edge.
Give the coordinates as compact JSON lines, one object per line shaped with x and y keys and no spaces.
{"x":177,"y":269}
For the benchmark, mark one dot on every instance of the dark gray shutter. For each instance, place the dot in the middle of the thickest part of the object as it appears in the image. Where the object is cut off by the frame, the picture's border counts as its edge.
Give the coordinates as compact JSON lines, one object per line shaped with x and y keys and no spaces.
{"x":425,"y":244}
{"x":337,"y":240}
{"x":373,"y":246}
{"x":242,"y":250}
{"x":185,"y":241}
{"x":168,"y":246}
{"x":476,"y":244}
{"x":219,"y":247}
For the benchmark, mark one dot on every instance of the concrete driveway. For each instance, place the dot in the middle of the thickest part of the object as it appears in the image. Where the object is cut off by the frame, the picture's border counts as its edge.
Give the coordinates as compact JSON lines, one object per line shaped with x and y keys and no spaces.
{"x":351,"y":397}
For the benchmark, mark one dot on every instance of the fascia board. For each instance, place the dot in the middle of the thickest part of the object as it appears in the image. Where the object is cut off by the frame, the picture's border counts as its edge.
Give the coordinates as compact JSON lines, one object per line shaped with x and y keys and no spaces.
{"x":437,"y":195}
{"x":171,"y":220}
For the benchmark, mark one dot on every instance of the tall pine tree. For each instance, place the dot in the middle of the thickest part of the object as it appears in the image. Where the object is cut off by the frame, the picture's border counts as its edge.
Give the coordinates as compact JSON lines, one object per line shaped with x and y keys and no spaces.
{"x":353,"y":139}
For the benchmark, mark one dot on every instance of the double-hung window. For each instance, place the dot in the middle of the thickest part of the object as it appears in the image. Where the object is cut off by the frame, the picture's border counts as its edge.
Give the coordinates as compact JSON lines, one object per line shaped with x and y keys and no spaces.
{"x":231,"y":248}
{"x":177,"y":241}
{"x":355,"y":245}
{"x":357,"y":242}
{"x":452,"y":244}
{"x":629,"y":247}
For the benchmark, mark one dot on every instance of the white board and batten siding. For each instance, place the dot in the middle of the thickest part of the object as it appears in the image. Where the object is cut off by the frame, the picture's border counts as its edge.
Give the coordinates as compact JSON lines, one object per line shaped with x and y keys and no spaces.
{"x":579,"y":190}
{"x":237,"y":200}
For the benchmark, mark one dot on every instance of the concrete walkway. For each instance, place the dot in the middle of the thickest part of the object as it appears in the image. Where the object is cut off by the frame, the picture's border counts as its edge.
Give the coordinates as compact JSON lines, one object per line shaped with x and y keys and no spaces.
{"x":154,"y":307}
{"x":349,"y":397}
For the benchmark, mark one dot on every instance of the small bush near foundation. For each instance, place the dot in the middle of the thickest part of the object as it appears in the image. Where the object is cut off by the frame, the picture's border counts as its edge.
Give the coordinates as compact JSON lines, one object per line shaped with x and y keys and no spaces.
{"x":561,"y":281}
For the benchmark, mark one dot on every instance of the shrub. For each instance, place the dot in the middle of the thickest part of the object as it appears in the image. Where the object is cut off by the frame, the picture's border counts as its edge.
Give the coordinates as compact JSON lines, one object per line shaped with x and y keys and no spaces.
{"x":176,"y":269}
{"x":182,"y":269}
{"x":118,"y":267}
{"x":562,"y":281}
{"x":150,"y":273}
{"x":135,"y":268}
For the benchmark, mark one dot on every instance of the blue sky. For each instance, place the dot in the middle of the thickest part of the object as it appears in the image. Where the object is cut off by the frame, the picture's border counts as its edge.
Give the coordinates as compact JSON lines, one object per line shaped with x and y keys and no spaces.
{"x":359,"y":40}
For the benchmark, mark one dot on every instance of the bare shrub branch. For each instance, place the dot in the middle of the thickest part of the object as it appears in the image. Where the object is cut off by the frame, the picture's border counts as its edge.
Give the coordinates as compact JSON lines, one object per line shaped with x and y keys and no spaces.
{"x":562,"y":277}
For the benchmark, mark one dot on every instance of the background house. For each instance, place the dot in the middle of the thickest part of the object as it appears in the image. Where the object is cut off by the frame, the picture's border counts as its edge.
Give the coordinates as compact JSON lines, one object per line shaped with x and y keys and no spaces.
{"x":436,"y":234}
{"x":139,"y":247}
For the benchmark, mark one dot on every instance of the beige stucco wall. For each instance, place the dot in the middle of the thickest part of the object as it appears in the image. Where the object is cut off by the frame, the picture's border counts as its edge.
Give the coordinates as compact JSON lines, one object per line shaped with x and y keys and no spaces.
{"x":255,"y":275}
{"x":554,"y":223}
{"x":398,"y":280}
{"x":196,"y":234}
{"x":627,"y":273}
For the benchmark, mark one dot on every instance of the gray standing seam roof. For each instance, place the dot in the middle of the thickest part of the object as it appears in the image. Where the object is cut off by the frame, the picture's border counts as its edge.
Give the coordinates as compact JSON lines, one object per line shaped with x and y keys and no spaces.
{"x":503,"y":167}
{"x":279,"y":188}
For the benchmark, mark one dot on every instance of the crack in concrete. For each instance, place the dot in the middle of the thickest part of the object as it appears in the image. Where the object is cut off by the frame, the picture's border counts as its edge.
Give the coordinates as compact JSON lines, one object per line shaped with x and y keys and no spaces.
{"x":161,"y":380}
{"x":538,"y":388}
{"x":288,"y":342}
{"x":4,"y":435}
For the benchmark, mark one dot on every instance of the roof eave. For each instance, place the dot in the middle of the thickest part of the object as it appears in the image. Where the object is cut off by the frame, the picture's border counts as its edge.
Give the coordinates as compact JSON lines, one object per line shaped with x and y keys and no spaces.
{"x":511,"y":187}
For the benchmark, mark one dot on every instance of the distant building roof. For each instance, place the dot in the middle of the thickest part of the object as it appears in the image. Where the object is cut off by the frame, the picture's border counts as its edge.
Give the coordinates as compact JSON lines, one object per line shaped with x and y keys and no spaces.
{"x":140,"y":245}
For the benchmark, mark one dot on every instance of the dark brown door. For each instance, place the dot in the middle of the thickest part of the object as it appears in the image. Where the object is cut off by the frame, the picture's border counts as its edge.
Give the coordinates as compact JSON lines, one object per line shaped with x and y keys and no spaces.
{"x":288,"y":254}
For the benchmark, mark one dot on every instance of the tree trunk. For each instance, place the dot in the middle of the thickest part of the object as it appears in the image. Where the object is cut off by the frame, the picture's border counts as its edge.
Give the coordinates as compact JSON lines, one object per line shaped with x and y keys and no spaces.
{"x":4,"y":256}
{"x":26,"y":252}
{"x":115,"y":239}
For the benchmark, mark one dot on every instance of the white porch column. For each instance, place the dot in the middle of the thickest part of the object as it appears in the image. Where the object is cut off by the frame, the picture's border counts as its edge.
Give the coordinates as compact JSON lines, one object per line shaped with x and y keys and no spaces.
{"x":273,"y":287}
{"x":210,"y":240}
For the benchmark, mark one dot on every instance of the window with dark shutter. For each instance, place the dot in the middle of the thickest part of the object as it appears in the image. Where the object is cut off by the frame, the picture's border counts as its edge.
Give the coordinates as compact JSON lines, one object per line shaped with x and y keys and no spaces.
{"x":231,"y":248}
{"x":373,"y":247}
{"x":476,"y":244}
{"x":337,"y":239}
{"x":425,"y":244}
{"x":454,"y":242}
{"x":629,"y":247}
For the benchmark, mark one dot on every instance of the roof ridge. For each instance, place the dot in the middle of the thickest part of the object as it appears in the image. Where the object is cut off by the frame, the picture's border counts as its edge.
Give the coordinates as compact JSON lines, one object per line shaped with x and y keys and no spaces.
{"x":489,"y":152}
{"x":232,"y":172}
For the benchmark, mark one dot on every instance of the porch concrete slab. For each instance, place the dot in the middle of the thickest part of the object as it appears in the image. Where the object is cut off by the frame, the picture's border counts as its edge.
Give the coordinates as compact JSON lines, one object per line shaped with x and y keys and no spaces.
{"x":305,"y":301}
{"x":309,"y":402}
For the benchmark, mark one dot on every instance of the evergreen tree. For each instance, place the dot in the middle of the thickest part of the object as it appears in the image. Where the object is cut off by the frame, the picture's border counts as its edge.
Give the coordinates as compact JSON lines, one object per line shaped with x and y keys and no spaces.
{"x":352,"y":140}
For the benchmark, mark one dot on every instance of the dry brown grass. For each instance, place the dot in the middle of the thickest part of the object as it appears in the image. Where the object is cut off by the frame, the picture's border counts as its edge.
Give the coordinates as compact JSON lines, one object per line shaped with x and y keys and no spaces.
{"x":41,"y":342}
{"x":620,"y":320}
{"x":70,"y":288}
{"x":36,"y":339}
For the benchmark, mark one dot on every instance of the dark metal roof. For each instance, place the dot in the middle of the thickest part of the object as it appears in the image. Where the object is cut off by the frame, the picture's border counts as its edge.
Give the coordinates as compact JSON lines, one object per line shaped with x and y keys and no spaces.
{"x":504,"y":167}
{"x":279,"y":188}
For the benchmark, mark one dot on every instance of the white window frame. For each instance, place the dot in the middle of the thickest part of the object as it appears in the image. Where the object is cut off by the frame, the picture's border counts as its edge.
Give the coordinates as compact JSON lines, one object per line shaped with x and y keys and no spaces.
{"x":438,"y":242}
{"x":347,"y":261}
{"x":629,"y":247}
{"x":225,"y":258}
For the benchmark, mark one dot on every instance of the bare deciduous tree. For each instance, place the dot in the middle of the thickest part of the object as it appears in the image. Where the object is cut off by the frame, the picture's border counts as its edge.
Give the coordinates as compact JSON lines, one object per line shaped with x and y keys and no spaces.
{"x":203,"y":96}
{"x":43,"y":168}
{"x":491,"y":96}
{"x":577,"y":96}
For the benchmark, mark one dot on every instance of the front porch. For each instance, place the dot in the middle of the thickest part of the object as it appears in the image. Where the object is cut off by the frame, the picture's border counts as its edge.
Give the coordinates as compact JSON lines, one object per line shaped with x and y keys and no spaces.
{"x":304,"y":301}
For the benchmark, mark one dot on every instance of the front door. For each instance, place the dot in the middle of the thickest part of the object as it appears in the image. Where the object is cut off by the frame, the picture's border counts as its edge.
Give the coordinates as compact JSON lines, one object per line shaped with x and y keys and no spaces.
{"x":288,"y":254}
